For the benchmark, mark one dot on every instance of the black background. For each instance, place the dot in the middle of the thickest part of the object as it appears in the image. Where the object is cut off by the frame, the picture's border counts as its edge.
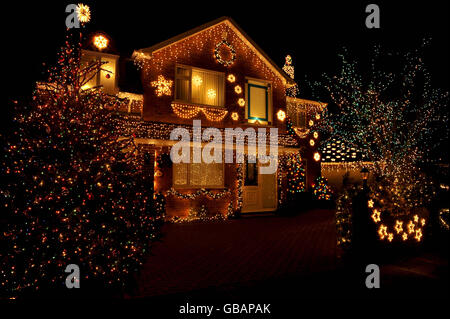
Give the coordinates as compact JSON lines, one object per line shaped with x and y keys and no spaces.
{"x":313,"y":32}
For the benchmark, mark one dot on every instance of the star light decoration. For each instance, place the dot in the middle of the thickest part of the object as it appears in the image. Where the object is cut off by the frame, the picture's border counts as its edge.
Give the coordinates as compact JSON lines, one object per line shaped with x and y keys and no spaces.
{"x":235,"y":116}
{"x":412,"y":228}
{"x":241,"y":102}
{"x":163,"y":86}
{"x":83,"y":13}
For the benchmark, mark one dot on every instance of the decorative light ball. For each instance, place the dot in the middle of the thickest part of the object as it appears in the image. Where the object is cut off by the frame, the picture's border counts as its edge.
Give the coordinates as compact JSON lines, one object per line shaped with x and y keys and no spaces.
{"x":316,"y":156}
{"x":317,"y":116}
{"x":83,"y":13}
{"x":311,"y":142}
{"x":311,"y":122}
{"x":281,"y":115}
{"x":100,"y":42}
{"x":231,"y":78}
{"x":211,"y":93}
{"x":315,"y":135}
{"x":238,"y":89}
{"x":197,"y":80}
{"x":235,"y":116}
{"x":241,"y":102}
{"x":108,"y":76}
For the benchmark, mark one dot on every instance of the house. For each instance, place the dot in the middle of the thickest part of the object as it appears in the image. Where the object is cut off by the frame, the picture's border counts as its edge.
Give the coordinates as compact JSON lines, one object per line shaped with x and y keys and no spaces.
{"x":341,"y":160}
{"x":217,"y":74}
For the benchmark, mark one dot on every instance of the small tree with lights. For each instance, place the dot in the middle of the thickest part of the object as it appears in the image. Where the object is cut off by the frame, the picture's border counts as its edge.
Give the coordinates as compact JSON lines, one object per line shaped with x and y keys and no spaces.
{"x":73,"y":189}
{"x":394,"y":115}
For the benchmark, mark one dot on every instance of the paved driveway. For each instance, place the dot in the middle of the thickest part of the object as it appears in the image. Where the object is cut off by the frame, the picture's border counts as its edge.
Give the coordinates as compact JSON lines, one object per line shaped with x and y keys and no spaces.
{"x":199,"y":256}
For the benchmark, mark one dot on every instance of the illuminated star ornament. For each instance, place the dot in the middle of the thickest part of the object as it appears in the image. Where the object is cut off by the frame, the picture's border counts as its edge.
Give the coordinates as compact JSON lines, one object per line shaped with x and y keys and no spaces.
{"x":163,"y":86}
{"x":83,"y":13}
{"x":376,"y":216}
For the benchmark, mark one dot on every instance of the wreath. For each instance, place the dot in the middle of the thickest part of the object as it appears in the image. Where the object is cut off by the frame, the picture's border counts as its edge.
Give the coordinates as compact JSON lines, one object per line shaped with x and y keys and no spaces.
{"x":226,"y":62}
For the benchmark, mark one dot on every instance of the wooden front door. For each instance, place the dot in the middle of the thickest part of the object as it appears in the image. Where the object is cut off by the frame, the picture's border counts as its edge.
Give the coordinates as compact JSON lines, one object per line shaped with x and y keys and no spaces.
{"x":260,"y":190}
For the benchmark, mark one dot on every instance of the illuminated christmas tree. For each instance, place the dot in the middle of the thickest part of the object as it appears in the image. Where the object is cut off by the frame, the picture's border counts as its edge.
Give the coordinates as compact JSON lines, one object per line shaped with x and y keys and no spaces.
{"x":295,"y":174}
{"x":321,"y":189}
{"x":73,"y":188}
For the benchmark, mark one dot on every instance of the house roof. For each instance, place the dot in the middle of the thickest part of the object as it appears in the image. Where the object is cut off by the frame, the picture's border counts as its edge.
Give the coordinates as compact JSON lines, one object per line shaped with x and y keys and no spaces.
{"x":237,"y":29}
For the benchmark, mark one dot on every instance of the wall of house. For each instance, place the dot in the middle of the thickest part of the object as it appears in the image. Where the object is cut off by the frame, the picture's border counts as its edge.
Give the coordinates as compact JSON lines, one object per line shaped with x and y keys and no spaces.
{"x":180,"y":207}
{"x":198,"y":51}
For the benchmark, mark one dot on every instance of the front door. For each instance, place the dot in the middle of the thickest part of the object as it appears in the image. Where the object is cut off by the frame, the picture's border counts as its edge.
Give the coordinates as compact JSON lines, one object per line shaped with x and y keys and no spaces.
{"x":260,"y":190}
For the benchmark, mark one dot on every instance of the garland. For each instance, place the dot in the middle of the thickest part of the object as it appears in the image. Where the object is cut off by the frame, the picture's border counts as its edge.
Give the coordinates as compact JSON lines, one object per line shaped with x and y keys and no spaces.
{"x":219,"y":57}
{"x":198,"y":193}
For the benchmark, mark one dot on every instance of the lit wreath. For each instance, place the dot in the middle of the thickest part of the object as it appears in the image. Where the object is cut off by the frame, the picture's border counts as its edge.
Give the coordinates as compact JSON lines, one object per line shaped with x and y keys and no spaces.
{"x":218,"y":56}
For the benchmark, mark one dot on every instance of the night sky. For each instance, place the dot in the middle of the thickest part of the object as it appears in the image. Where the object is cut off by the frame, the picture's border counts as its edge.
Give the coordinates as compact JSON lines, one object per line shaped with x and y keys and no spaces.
{"x":313,"y":32}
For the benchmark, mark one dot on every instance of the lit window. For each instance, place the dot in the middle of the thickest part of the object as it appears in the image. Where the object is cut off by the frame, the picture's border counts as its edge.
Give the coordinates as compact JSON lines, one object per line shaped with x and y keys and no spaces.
{"x":198,"y":175}
{"x":199,"y":86}
{"x":259,"y":106}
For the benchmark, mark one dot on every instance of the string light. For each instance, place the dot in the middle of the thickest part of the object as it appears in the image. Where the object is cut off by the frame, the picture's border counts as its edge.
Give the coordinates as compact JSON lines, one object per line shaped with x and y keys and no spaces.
{"x":188,"y":111}
{"x":163,"y":86}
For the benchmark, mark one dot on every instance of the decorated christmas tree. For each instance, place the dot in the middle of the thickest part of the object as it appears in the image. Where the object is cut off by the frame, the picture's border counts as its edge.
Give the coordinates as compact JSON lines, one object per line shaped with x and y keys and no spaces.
{"x":73,"y":187}
{"x":321,"y":189}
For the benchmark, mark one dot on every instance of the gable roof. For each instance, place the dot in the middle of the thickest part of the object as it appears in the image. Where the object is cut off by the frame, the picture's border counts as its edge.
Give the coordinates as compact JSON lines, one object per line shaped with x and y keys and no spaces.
{"x":244,"y":37}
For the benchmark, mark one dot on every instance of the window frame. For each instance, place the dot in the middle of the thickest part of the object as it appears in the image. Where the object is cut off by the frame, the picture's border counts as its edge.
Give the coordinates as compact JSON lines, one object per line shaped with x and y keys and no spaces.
{"x":189,"y":78}
{"x":249,"y":82}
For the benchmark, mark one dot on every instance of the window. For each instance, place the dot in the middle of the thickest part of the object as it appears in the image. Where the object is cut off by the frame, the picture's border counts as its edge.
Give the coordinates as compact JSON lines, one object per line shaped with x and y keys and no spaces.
{"x":198,"y":175}
{"x":297,"y":113}
{"x":199,"y":86}
{"x":107,"y":77}
{"x":259,"y":106}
